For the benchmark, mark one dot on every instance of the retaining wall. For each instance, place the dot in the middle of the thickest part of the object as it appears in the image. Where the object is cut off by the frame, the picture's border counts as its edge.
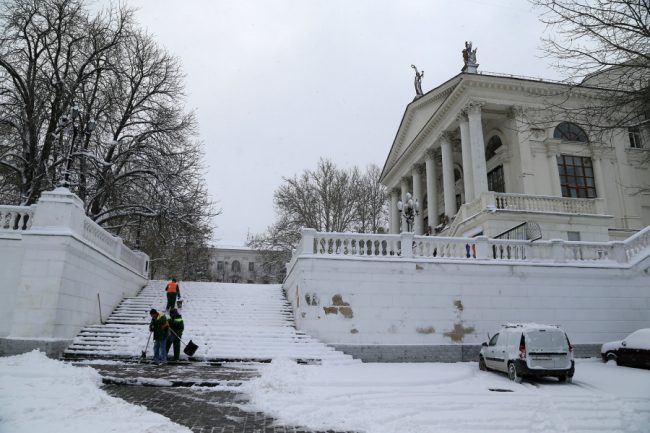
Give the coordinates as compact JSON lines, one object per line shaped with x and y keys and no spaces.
{"x":384,"y":307}
{"x":59,"y":267}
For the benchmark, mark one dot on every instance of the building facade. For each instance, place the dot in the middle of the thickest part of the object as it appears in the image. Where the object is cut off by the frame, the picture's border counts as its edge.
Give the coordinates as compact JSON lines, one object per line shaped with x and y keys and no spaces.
{"x":485,"y":154}
{"x":238,"y":264}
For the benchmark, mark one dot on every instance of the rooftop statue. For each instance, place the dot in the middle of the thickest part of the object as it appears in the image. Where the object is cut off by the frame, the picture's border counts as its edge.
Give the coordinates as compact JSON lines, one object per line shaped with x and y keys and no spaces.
{"x":418,"y":82}
{"x":469,"y":55}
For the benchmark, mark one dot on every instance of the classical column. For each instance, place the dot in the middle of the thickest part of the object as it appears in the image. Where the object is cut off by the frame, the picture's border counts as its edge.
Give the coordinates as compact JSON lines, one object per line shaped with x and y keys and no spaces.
{"x":405,"y":189}
{"x":394,"y":212}
{"x":466,"y":149}
{"x":432,"y":189}
{"x":599,"y":180}
{"x":479,"y":172}
{"x":554,"y":174}
{"x":417,"y":196}
{"x":448,"y":184}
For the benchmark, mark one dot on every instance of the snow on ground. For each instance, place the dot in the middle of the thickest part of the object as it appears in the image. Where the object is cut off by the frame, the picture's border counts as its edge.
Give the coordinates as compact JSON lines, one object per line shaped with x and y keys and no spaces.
{"x":428,"y":397}
{"x":38,"y":394}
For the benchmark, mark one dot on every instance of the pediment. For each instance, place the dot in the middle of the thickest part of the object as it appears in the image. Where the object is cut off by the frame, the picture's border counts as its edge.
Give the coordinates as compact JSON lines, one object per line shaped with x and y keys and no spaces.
{"x":415,"y":118}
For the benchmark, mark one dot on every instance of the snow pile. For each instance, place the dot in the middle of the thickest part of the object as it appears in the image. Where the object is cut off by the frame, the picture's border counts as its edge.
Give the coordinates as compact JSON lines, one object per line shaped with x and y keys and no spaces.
{"x":38,"y":394}
{"x":421,"y":398}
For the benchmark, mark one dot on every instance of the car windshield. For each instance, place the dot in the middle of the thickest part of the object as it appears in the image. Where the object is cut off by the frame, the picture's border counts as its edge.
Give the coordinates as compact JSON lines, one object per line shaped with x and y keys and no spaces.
{"x":546,"y":339}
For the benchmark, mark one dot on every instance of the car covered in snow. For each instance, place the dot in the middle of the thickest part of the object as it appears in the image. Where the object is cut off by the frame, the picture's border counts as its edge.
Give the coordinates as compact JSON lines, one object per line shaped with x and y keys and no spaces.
{"x":633,"y":350}
{"x":527,"y":350}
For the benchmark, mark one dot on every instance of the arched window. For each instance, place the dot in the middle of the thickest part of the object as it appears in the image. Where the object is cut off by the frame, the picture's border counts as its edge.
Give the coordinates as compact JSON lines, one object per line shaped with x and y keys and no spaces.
{"x":236,"y":266}
{"x":491,"y":149}
{"x":457,"y":174}
{"x":570,"y":132}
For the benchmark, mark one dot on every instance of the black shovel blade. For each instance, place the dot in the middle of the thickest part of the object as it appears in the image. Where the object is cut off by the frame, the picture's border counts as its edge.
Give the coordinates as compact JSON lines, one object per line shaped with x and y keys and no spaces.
{"x":190,"y":348}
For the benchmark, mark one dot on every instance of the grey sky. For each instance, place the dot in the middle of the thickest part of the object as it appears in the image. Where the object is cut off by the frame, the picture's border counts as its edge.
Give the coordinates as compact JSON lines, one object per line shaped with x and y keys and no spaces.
{"x":278,"y":84}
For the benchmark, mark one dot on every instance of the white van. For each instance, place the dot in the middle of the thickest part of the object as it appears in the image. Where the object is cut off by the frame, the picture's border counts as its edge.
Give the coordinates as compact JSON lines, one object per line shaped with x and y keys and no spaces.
{"x":529,"y":349}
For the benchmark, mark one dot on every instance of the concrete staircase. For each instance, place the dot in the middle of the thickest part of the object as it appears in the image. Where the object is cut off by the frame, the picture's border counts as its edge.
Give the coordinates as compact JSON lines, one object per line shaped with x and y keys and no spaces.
{"x":229,"y":322}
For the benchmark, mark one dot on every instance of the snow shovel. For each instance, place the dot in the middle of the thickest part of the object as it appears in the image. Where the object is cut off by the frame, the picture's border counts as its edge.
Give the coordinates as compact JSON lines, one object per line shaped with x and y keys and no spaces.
{"x":144,"y":352}
{"x":190,"y":347}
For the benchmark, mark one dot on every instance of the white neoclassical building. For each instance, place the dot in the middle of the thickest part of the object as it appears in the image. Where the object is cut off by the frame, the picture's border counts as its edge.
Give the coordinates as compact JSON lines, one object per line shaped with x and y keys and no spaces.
{"x":483,"y":155}
{"x":538,"y":220}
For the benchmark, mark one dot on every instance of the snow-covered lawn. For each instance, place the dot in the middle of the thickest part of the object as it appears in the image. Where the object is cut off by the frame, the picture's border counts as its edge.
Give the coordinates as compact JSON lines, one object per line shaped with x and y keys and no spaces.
{"x":38,"y":394}
{"x":420,"y":398}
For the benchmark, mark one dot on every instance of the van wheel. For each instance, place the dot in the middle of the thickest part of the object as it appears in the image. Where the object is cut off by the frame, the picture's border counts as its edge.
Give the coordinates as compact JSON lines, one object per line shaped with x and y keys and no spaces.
{"x":562,"y":379}
{"x":481,"y":364}
{"x":512,"y":373}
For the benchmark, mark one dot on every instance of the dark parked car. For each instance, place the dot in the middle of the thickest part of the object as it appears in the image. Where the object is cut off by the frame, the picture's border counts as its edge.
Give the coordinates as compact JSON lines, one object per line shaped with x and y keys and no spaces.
{"x":633,"y":351}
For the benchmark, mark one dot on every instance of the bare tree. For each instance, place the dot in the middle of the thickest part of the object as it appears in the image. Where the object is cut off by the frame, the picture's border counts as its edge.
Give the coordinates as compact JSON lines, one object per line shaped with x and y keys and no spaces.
{"x":327,"y":199}
{"x":606,"y":45}
{"x":92,"y":102}
{"x":372,"y":202}
{"x":48,"y":50}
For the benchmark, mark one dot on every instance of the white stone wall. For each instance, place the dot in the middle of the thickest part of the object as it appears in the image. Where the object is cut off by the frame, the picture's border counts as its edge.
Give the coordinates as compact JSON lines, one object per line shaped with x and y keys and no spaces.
{"x":441,"y":301}
{"x":11,"y":252}
{"x":54,"y":271}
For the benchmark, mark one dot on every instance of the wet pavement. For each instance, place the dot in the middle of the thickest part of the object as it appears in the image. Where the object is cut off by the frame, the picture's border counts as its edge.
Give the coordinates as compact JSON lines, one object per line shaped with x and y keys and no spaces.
{"x":203,"y":397}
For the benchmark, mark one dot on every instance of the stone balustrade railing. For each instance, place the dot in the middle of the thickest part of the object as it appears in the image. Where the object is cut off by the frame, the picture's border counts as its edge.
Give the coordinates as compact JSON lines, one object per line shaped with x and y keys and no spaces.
{"x":538,"y":203}
{"x":16,"y":218}
{"x":496,"y":201}
{"x":409,"y":246}
{"x":19,"y":219}
{"x":100,"y":238}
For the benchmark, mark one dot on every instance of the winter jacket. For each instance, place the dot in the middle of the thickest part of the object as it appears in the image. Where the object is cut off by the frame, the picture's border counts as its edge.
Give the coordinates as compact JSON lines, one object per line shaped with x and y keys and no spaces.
{"x":177,"y":325}
{"x":173,"y":287}
{"x":160,"y":327}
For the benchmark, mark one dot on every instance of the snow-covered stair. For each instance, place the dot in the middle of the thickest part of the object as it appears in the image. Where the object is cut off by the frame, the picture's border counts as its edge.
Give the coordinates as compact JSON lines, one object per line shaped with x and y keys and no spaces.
{"x":227,"y":321}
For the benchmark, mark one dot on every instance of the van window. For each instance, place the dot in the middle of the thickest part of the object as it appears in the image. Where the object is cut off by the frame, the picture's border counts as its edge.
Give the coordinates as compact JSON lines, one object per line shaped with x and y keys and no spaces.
{"x":546,"y":339}
{"x":513,"y":338}
{"x":493,"y":340}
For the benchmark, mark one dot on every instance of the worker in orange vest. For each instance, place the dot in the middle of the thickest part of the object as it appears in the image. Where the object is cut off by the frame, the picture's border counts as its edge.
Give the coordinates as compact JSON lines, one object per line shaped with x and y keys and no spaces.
{"x":173,"y":289}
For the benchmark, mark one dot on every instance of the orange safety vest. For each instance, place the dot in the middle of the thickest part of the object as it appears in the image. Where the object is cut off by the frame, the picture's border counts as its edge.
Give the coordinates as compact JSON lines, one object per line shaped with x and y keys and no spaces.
{"x":172,"y":287}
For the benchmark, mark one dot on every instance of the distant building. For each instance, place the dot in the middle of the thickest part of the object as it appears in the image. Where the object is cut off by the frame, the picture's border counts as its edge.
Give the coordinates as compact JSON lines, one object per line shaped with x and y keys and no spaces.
{"x":239,"y":264}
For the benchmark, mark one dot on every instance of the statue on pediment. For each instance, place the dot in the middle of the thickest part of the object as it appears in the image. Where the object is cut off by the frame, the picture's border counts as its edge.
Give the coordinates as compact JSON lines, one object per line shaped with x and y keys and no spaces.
{"x":469,"y":55}
{"x":418,"y":82}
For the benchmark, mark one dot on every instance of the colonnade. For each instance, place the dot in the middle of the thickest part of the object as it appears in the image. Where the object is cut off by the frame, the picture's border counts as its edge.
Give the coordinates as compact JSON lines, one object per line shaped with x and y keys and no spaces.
{"x":474,"y":172}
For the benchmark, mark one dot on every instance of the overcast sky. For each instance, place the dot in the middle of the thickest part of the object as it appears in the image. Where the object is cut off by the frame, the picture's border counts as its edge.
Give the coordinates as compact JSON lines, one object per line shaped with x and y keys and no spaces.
{"x":276,"y":84}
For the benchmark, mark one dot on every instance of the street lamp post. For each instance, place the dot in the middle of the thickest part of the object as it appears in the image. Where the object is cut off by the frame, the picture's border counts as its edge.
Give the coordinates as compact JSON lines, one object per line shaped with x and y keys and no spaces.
{"x":409,"y":210}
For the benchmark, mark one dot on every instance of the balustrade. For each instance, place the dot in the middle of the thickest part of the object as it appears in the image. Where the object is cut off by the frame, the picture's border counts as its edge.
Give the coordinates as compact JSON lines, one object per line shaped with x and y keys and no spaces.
{"x":434,"y":248}
{"x":16,"y":218}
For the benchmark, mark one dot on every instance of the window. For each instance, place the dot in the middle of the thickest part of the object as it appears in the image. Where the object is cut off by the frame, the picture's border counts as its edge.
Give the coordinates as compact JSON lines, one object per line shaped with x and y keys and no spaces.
{"x":573,"y":236}
{"x":635,"y":137}
{"x":570,"y":132}
{"x":491,"y":149}
{"x":236,"y":266}
{"x":576,"y":176}
{"x":457,"y":175}
{"x":495,"y":180}
{"x":459,"y":201}
{"x":220,"y":266}
{"x":493,"y":340}
{"x":251,"y":266}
